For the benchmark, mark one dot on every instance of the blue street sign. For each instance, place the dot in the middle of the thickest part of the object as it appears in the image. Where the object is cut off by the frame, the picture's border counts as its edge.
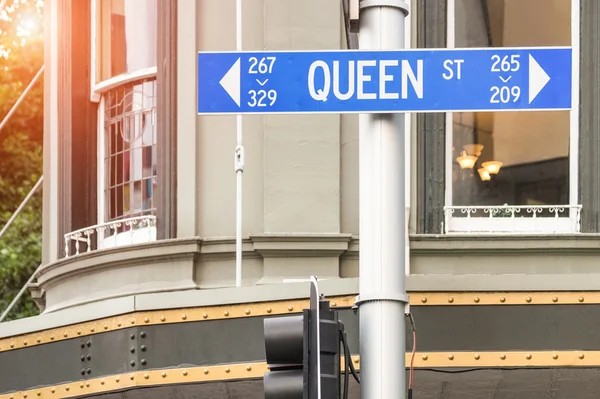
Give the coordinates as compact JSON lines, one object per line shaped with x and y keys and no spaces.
{"x":419,"y":80}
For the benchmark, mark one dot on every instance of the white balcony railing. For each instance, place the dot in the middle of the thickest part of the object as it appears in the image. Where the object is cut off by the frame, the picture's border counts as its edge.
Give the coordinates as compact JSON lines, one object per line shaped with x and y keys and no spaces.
{"x":135,"y":230}
{"x":513,"y":219}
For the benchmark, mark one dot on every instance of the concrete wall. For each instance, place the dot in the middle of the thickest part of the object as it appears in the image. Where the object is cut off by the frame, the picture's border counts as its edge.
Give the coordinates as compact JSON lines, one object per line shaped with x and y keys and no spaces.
{"x":293,"y":179}
{"x":292,"y":175}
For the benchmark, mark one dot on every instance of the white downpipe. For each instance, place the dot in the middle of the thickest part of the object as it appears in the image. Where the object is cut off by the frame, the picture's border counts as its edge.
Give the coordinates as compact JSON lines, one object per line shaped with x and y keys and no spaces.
{"x":239,"y":165}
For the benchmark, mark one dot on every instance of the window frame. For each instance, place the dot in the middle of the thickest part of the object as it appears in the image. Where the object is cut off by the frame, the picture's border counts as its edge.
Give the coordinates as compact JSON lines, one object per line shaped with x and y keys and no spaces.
{"x":98,"y":88}
{"x":97,"y":95}
{"x":527,"y":225}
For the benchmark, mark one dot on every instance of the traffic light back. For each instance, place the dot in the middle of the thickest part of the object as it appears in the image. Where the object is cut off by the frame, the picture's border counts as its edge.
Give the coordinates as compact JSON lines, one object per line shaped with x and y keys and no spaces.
{"x":295,"y":352}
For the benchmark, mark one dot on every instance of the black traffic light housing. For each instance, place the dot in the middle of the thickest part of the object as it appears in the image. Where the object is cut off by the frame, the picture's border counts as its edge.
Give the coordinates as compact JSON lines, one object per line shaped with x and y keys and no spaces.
{"x":329,"y":354}
{"x":286,"y":348}
{"x":303,"y":353}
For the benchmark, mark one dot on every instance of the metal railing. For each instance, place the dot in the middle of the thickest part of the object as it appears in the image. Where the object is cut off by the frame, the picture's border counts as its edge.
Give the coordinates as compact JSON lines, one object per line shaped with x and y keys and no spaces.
{"x":513,"y":219}
{"x":128,"y":228}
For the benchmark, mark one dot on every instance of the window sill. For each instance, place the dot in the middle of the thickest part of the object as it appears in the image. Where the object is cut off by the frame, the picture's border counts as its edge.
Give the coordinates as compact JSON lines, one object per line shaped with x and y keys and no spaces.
{"x":508,"y":219}
{"x":505,"y":254}
{"x":131,"y":237}
{"x":140,"y":229}
{"x":105,"y":85}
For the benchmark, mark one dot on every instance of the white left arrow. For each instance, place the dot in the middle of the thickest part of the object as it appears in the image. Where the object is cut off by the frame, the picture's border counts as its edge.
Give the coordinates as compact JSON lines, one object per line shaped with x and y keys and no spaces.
{"x":538,"y":78}
{"x":231,"y":82}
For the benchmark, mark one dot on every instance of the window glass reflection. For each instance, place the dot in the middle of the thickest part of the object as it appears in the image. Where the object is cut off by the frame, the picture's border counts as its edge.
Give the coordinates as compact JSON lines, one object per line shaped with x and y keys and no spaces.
{"x":130,"y":150}
{"x":514,"y":158}
{"x":127,"y":36}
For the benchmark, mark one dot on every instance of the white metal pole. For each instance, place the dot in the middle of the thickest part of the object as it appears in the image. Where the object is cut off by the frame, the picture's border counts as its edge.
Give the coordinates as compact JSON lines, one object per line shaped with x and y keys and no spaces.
{"x":23,"y":203}
{"x":239,"y":165}
{"x":22,"y":96}
{"x":382,"y":298}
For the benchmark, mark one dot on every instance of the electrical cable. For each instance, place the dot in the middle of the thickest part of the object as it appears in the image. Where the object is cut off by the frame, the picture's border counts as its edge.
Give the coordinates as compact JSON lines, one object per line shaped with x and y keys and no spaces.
{"x":412,"y":357}
{"x":470,"y":370}
{"x":348,"y":360}
{"x":345,"y":391}
{"x":348,"y":366}
{"x":347,"y":350}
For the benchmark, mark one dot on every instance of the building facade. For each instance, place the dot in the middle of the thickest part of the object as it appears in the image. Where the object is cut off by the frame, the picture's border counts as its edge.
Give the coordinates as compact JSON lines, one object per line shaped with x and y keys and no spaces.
{"x":138,"y":288}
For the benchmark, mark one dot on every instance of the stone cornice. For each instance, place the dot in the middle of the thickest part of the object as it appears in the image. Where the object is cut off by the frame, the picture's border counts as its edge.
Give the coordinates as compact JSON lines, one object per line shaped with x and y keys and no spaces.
{"x":121,"y":256}
{"x":449,"y":245}
{"x":300,"y":245}
{"x":184,"y":258}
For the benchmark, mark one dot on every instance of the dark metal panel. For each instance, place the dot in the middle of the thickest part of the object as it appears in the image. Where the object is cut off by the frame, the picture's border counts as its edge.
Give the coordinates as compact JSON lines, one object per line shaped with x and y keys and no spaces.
{"x":113,"y":352}
{"x":589,"y":117}
{"x":204,"y":343}
{"x":440,"y":328}
{"x":249,"y":389}
{"x":431,"y":155}
{"x":497,"y":328}
{"x":40,"y":365}
{"x":468,"y":384}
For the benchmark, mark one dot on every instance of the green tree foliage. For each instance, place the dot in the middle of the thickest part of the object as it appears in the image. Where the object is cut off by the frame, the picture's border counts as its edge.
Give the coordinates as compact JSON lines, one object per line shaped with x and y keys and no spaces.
{"x":21,"y":56}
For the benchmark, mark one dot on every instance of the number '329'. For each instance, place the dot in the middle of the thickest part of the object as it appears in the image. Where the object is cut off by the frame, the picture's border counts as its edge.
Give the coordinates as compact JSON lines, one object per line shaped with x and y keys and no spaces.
{"x":257,"y":98}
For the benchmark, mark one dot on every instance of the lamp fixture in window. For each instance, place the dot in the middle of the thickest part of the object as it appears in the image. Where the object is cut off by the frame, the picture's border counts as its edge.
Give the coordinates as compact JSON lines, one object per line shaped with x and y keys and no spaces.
{"x":492,"y":167}
{"x":474,"y":149}
{"x":469,"y":157}
{"x":466,"y":161}
{"x":484,"y":175}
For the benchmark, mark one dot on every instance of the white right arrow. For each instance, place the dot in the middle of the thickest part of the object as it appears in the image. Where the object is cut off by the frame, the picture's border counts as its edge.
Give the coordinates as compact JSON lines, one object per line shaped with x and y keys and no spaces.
{"x":231,"y":82}
{"x":538,"y":78}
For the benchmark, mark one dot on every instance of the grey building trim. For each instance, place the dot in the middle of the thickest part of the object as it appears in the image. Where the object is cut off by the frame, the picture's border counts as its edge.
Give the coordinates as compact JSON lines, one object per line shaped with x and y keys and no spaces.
{"x":186,"y":144}
{"x":351,"y":37}
{"x":69,"y":127}
{"x":446,"y":263}
{"x":82,"y":114}
{"x":56,"y":68}
{"x":526,"y":284}
{"x":65,"y":160}
{"x":431,"y":33}
{"x":589,"y":117}
{"x":166,"y":119}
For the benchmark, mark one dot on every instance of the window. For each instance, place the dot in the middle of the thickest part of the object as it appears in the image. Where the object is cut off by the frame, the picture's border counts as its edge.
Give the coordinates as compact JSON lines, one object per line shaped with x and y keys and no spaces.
{"x":125,"y":39}
{"x":513,"y":172}
{"x":124,"y":83}
{"x":129,"y":154}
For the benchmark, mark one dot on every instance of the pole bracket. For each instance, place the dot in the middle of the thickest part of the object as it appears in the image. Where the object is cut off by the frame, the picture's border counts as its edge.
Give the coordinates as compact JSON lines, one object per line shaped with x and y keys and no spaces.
{"x":360,"y":299}
{"x":239,"y":159}
{"x":401,"y":4}
{"x":403,"y":298}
